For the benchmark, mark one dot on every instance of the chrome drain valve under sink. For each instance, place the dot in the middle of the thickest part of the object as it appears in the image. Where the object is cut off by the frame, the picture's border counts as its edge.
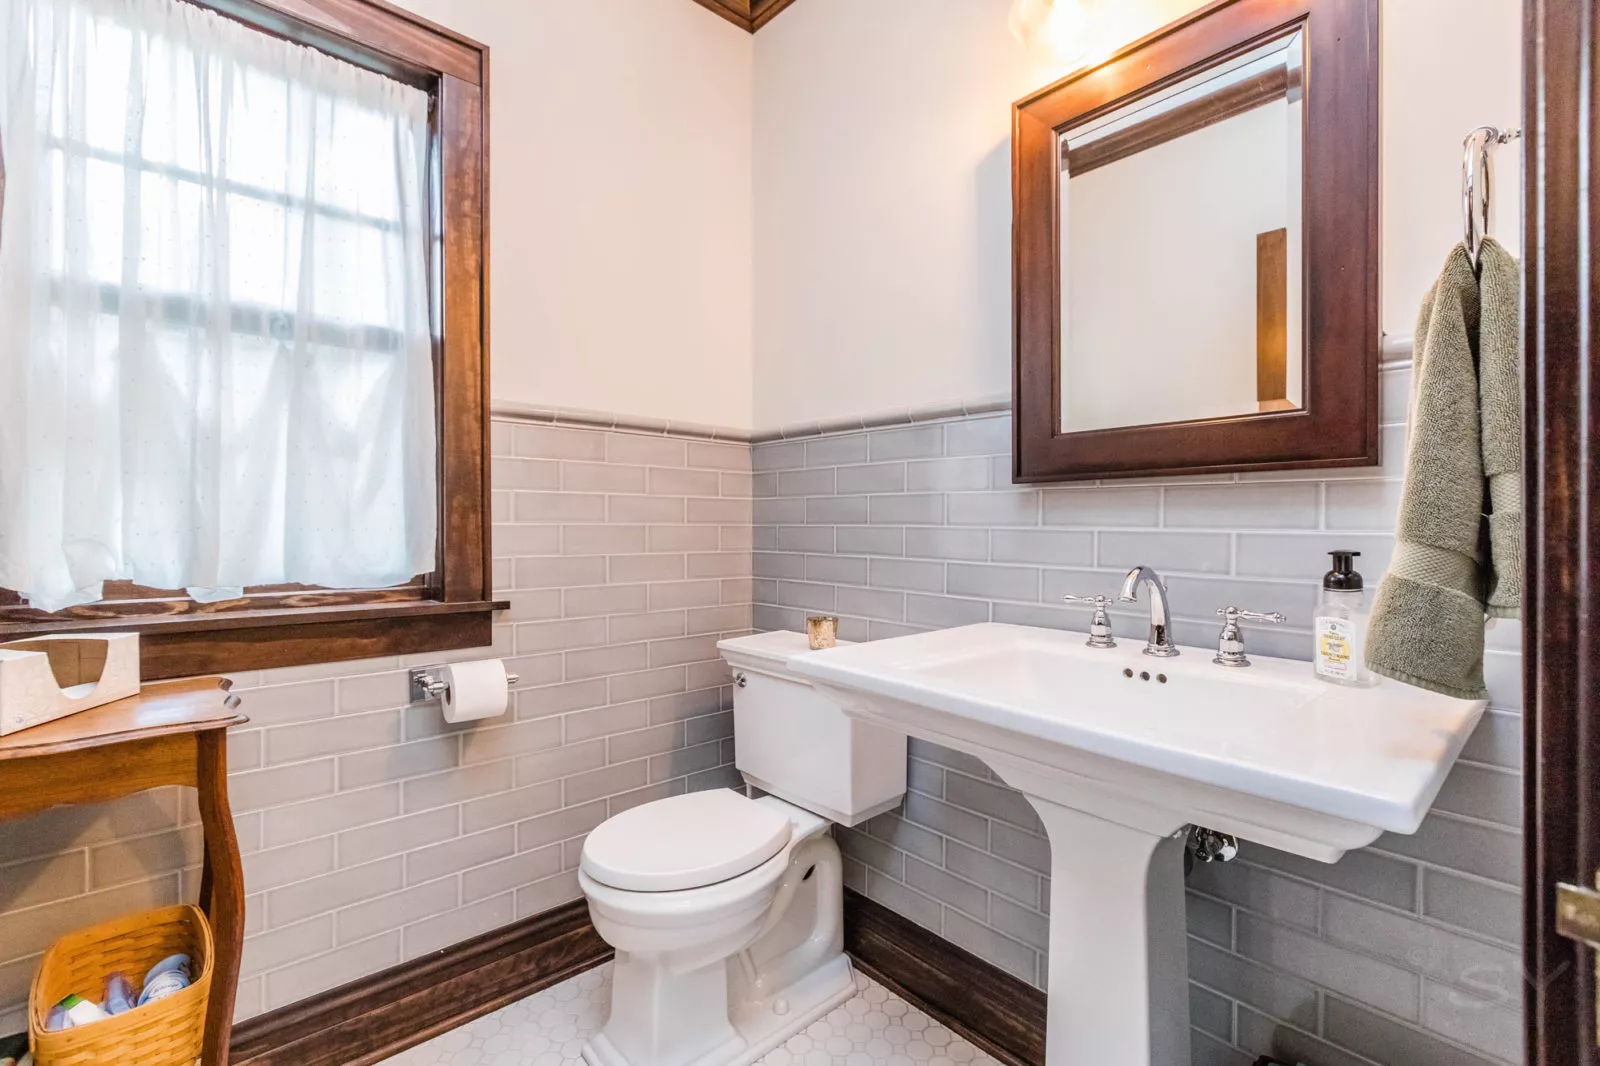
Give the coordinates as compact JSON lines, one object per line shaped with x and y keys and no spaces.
{"x":1208,"y":845}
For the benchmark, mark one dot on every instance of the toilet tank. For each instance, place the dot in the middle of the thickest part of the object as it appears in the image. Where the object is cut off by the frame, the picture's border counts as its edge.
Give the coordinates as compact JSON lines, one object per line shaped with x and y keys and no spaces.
{"x":794,"y":742}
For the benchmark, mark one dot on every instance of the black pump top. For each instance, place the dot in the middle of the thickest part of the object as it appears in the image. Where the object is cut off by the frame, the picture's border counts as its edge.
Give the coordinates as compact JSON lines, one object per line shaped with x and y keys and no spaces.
{"x":1343,"y":576}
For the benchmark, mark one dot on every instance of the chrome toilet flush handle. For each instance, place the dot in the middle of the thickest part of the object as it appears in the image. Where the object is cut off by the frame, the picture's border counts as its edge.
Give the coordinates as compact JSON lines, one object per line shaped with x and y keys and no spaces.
{"x":1230,"y":642}
{"x":1100,"y":635}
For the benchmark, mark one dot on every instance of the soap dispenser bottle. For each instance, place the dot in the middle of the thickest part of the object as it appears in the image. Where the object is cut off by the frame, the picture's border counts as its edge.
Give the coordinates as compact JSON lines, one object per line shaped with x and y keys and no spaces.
{"x":1341,"y":624}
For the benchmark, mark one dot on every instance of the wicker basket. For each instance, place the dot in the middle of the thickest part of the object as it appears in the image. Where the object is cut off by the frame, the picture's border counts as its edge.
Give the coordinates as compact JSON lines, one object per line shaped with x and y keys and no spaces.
{"x":167,"y":1032}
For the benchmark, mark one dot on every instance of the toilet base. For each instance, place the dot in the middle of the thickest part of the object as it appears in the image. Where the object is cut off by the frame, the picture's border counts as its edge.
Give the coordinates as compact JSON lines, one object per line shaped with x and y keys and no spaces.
{"x":758,"y":1026}
{"x":803,"y":1002}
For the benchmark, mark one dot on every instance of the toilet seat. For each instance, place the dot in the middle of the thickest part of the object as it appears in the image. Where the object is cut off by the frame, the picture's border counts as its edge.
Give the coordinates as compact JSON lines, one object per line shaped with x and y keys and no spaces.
{"x":684,"y":842}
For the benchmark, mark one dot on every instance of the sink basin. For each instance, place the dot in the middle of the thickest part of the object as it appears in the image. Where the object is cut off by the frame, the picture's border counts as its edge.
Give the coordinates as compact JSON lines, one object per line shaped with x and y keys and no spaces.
{"x":1119,"y":753}
{"x":1224,"y":744}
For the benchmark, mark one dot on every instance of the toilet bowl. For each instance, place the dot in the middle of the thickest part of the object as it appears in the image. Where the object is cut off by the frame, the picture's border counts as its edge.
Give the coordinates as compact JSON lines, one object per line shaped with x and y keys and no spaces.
{"x":726,"y":912}
{"x":714,"y":974}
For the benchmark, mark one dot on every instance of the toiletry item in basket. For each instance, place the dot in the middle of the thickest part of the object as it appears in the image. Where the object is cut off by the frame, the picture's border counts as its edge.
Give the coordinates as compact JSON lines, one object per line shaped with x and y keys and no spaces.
{"x":169,"y":975}
{"x":1340,"y":629}
{"x":74,"y":1011}
{"x":119,"y":995}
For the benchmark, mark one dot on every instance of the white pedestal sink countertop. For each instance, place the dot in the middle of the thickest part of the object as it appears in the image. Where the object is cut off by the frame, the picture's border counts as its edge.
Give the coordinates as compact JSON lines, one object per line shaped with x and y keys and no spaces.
{"x":1375,"y":756}
{"x":1119,"y":752}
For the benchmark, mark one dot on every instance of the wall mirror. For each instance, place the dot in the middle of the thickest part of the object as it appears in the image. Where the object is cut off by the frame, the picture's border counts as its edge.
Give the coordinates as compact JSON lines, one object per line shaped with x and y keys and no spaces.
{"x":1196,"y":248}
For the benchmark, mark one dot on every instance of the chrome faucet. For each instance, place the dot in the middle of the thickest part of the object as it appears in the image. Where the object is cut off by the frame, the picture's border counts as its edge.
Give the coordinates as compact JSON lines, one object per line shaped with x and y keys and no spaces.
{"x":1160,"y":642}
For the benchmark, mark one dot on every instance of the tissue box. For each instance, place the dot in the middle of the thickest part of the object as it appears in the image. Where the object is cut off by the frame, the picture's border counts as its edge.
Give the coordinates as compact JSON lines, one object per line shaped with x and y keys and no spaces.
{"x":50,"y":677}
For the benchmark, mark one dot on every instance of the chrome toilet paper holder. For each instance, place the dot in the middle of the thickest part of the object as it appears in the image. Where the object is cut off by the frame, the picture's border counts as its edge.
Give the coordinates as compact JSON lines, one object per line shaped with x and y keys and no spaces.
{"x":427,"y":685}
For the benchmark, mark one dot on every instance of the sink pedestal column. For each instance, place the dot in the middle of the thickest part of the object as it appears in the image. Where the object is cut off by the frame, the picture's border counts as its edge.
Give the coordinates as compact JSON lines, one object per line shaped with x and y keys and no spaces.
{"x":1119,"y":964}
{"x":1116,"y":771}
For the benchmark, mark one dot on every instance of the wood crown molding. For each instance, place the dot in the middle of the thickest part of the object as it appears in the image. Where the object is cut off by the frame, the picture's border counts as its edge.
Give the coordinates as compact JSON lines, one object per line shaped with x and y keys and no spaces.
{"x":749,"y":15}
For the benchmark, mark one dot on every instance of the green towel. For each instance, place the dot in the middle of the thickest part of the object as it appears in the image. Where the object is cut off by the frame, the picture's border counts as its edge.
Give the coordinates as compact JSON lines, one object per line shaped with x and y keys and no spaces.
{"x":1427,"y":620}
{"x":1500,"y":400}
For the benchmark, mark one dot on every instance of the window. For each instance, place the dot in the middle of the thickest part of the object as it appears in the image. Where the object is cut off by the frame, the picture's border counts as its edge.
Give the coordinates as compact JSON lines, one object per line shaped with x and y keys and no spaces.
{"x":242,"y":353}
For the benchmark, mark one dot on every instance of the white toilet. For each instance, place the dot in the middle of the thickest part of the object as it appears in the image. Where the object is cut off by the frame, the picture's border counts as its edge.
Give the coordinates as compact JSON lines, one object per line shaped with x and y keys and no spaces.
{"x":727,"y":912}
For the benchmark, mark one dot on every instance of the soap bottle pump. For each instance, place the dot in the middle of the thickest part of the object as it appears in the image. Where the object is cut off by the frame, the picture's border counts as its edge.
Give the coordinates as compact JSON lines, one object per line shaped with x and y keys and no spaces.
{"x":1341,"y":624}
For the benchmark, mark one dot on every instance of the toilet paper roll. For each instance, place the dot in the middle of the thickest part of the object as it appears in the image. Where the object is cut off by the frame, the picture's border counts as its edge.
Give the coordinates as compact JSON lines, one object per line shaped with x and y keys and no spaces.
{"x":477,"y":690}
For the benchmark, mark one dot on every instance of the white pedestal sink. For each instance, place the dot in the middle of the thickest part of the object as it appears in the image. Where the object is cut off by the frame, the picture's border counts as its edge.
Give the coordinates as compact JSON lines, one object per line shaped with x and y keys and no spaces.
{"x":1119,"y":752}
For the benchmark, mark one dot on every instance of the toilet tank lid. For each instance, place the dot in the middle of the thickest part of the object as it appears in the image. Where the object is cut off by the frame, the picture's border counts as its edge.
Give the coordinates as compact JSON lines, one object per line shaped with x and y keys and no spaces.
{"x":768,"y":652}
{"x":683,"y":842}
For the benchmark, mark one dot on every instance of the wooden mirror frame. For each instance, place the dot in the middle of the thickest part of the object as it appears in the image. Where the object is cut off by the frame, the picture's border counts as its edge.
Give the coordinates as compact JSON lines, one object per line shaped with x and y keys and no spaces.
{"x":1338,"y":422}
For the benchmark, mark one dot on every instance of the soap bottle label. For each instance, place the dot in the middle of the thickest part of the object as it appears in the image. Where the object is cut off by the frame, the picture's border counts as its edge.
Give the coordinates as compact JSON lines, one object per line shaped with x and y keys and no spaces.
{"x":1335,"y":648}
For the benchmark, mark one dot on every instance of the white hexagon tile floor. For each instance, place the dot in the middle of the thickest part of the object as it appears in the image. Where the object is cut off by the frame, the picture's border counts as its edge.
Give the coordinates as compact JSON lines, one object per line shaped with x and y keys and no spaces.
{"x":875,"y":1028}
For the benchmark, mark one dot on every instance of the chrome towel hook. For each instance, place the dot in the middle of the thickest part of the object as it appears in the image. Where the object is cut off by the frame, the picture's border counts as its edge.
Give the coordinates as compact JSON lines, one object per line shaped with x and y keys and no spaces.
{"x":1477,"y":182}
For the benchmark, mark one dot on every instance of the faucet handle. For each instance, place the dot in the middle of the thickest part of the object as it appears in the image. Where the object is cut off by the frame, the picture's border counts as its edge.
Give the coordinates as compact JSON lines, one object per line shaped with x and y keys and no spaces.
{"x":1233,"y":614}
{"x":1100,"y":635}
{"x":1230,"y":642}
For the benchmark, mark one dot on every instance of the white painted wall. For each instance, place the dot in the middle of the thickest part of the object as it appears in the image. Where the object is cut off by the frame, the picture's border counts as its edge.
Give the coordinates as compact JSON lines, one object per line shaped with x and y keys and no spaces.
{"x":883,"y":201}
{"x":626,"y":143}
{"x":621,"y":204}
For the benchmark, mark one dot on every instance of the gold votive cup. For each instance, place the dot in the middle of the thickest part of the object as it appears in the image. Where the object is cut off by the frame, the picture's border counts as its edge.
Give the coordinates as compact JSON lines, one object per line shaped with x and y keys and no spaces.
{"x":822,"y":630}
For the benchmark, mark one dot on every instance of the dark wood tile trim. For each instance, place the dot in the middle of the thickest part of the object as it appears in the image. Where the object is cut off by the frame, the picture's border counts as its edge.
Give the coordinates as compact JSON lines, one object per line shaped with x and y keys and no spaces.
{"x":375,"y":1017}
{"x":994,"y":1010}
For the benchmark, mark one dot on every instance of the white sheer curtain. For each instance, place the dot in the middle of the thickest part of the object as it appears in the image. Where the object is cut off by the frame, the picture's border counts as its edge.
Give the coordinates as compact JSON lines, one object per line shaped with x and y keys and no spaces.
{"x":215,"y":348}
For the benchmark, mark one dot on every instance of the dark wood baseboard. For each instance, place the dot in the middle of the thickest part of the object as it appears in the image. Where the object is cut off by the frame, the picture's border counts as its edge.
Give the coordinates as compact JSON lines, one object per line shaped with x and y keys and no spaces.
{"x":375,"y":1017}
{"x":370,"y":1019}
{"x":994,"y":1010}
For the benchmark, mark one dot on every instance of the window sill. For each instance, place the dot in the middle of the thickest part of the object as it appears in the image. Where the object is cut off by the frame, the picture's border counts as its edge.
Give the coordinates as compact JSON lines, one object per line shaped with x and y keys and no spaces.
{"x":228,"y":642}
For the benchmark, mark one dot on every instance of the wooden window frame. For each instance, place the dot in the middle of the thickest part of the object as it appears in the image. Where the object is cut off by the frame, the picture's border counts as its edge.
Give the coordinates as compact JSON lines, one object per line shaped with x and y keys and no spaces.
{"x":452,"y":607}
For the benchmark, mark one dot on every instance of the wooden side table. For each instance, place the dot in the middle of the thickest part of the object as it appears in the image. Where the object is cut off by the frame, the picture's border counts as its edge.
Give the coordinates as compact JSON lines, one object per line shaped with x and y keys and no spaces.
{"x":170,"y":734}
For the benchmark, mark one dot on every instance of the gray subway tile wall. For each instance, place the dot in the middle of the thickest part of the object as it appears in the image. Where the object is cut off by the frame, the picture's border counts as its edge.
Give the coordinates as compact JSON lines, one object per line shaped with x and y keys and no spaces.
{"x":1403,"y":953}
{"x":372,"y":831}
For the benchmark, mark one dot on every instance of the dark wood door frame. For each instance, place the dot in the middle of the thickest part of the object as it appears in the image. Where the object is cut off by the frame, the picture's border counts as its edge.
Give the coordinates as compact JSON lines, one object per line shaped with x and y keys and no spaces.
{"x":1561,"y":592}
